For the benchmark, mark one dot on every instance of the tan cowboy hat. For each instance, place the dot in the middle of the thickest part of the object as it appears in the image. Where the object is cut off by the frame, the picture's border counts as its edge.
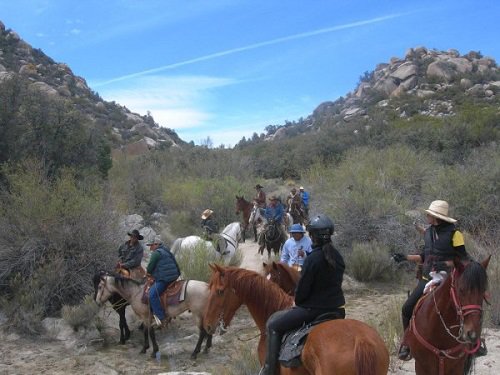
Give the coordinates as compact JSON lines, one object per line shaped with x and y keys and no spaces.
{"x":273,"y":198}
{"x":206,"y":213}
{"x":439,"y":209}
{"x":301,"y":188}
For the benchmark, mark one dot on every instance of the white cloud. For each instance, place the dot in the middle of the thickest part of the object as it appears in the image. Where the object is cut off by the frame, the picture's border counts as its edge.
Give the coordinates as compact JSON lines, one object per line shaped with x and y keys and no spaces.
{"x":175,"y":102}
{"x":75,"y":31}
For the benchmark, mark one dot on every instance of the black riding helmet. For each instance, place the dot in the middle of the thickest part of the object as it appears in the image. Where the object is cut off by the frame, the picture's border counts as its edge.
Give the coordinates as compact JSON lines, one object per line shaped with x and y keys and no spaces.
{"x":320,"y":228}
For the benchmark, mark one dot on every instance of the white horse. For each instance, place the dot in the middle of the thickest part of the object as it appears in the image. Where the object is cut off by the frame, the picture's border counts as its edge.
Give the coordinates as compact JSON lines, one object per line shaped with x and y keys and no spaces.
{"x":224,"y":244}
{"x":195,"y":300}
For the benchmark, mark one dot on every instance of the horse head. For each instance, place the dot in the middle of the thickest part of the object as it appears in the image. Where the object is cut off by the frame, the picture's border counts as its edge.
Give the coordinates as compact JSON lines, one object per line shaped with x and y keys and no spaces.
{"x":468,"y":288}
{"x":222,"y":302}
{"x":105,"y":288}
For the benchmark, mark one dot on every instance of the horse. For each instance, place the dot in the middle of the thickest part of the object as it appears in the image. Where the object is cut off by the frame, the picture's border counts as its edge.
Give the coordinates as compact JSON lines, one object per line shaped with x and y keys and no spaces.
{"x":119,"y":305}
{"x":342,"y":346}
{"x":258,"y":220}
{"x":283,"y":275}
{"x":273,"y":238}
{"x":196,"y":296}
{"x":445,"y":329}
{"x":245,"y":207}
{"x":225,"y":244}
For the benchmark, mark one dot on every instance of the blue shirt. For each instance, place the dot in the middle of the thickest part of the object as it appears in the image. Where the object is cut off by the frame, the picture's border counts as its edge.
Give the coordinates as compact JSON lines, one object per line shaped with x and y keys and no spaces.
{"x":290,"y":249}
{"x":305,"y":198}
{"x":275,"y":213}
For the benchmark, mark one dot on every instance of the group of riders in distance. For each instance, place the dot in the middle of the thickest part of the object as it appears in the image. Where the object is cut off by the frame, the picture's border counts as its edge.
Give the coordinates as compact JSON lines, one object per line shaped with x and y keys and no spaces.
{"x":442,"y":333}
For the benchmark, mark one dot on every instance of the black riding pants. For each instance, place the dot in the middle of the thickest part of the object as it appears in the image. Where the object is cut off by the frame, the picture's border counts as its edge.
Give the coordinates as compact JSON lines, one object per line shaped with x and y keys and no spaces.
{"x":286,"y":320}
{"x":412,"y":300}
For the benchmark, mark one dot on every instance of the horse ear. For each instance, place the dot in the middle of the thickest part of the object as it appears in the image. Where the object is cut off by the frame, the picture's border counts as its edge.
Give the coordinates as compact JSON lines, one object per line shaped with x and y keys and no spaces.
{"x":275,"y":265}
{"x":212,"y":267}
{"x":264,"y":264}
{"x":486,"y":261}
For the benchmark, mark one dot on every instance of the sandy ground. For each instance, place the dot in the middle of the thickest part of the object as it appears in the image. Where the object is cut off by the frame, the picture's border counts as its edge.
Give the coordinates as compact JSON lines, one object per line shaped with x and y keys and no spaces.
{"x":22,"y":355}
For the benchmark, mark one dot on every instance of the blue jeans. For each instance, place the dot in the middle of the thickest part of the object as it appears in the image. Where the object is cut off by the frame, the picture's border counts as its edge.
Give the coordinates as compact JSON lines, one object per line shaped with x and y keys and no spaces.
{"x":155,"y":292}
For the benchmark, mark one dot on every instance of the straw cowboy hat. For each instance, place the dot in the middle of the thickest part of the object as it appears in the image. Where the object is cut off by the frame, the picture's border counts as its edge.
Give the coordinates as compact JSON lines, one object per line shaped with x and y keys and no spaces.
{"x":439,"y":209}
{"x":206,"y":213}
{"x":259,"y":186}
{"x":273,"y":198}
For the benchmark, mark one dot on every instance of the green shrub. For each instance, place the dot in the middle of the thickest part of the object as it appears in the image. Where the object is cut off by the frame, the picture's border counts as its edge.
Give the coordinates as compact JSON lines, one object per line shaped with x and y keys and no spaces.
{"x":369,"y":261}
{"x":80,"y":315}
{"x":54,"y":235}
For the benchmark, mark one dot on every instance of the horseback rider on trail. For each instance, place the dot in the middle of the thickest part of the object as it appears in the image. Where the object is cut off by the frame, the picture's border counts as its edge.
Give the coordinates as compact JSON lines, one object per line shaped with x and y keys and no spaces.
{"x":260,"y":196}
{"x":274,"y":212}
{"x":209,"y":224}
{"x":318,"y":291}
{"x":442,"y":243}
{"x":164,"y":269}
{"x":130,"y":256}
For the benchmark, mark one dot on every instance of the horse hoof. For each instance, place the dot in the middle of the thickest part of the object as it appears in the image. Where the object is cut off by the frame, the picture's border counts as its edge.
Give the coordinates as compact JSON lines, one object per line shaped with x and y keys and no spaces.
{"x":153,"y":355}
{"x":122,"y":342}
{"x":193,"y":356}
{"x":143,"y":351}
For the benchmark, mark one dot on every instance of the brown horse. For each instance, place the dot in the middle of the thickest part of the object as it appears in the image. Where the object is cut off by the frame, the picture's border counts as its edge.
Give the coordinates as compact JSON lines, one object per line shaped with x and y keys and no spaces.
{"x":283,"y":275}
{"x":343,"y":346}
{"x":245,"y":207}
{"x":445,"y":329}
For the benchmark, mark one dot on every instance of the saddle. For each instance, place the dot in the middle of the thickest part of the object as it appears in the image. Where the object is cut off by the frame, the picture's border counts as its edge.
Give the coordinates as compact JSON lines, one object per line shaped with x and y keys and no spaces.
{"x":293,"y":341}
{"x":173,"y":295}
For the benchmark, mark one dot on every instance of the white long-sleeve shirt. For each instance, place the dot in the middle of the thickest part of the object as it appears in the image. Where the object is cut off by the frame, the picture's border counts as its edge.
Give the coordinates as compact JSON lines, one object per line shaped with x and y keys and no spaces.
{"x":289,"y":253}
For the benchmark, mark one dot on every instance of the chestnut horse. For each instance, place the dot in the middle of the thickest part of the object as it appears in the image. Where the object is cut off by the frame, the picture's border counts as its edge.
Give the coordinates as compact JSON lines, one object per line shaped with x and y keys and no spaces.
{"x":445,"y":329}
{"x":342,"y":346}
{"x":245,"y":207}
{"x":283,"y":275}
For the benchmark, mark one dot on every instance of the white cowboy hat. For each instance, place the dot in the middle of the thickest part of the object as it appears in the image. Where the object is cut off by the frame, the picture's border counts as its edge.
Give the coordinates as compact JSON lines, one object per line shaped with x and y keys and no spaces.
{"x":206,"y":213}
{"x":439,"y":209}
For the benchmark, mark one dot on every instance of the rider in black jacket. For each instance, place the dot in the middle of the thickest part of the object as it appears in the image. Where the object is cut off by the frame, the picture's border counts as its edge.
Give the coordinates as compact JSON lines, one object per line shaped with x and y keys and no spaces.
{"x":319,"y":290}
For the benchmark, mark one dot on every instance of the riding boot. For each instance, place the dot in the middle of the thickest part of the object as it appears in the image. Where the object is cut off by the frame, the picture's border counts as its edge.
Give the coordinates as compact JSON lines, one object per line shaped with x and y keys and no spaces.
{"x":272,"y":353}
{"x":404,"y":349}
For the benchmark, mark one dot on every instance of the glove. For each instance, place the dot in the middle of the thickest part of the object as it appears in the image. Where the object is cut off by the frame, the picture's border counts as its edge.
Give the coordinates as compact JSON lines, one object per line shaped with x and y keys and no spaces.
{"x":398,"y":257}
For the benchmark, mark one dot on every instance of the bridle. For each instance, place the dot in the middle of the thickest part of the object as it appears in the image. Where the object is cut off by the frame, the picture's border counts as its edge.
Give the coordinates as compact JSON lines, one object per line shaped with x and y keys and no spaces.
{"x":460,"y":349}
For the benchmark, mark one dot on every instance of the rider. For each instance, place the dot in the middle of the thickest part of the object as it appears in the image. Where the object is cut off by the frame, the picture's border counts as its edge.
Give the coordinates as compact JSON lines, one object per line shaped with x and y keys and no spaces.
{"x":319,"y":290}
{"x":296,"y":248}
{"x":209,"y":224}
{"x":442,"y":243}
{"x":260,"y":196}
{"x":294,"y":202}
{"x":304,"y":195}
{"x":274,"y":211}
{"x":130,"y":256}
{"x":164,"y":269}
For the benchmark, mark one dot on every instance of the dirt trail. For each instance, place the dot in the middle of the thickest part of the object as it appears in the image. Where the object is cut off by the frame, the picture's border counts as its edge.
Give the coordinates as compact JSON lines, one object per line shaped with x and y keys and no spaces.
{"x":20,"y":355}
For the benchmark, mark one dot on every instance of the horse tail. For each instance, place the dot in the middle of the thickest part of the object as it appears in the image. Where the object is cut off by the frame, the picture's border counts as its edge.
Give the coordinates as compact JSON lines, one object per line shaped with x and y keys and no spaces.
{"x":365,"y":358}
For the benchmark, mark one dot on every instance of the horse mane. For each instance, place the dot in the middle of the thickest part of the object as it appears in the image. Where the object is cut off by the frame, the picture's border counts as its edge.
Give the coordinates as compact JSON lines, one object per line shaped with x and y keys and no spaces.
{"x":291,"y":272}
{"x":473,"y":278}
{"x":122,"y":280}
{"x":252,"y":283}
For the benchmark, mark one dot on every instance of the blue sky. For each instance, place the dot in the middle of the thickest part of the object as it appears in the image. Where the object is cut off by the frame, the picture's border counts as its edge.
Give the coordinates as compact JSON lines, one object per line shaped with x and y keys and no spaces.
{"x":225,"y":69}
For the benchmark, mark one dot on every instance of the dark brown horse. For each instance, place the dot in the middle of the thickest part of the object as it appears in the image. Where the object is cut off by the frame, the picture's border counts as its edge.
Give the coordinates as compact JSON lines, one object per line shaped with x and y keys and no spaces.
{"x":445,"y":329}
{"x":283,"y":275}
{"x":342,"y":346}
{"x":245,"y":207}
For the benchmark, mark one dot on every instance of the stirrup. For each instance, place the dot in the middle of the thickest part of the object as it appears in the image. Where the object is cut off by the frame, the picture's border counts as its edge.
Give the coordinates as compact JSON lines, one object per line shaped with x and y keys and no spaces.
{"x":157,"y":321}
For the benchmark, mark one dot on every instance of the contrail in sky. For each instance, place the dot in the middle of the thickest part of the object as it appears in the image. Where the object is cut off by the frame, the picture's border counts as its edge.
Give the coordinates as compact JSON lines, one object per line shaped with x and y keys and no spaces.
{"x":250,"y":47}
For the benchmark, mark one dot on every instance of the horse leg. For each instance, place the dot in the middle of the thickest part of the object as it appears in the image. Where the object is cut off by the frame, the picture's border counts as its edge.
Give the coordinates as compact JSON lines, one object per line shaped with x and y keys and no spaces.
{"x":124,"y":330}
{"x":153,"y":340}
{"x":145,"y":345}
{"x":201,"y":336}
{"x":208,"y":344}
{"x":254,"y":227}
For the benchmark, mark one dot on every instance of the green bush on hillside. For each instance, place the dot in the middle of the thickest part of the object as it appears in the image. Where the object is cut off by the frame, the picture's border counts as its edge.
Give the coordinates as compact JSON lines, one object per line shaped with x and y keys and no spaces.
{"x":54,"y":235}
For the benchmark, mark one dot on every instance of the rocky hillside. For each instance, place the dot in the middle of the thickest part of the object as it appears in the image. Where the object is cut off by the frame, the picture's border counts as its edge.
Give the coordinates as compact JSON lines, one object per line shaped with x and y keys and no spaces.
{"x":127,"y":131}
{"x":425,"y":82}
